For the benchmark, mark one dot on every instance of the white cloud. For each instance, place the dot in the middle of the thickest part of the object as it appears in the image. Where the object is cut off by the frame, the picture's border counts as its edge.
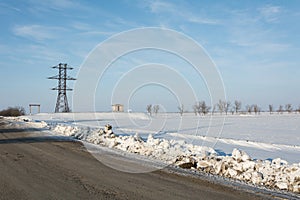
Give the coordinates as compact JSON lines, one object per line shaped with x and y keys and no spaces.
{"x":32,"y":54}
{"x":177,"y":11}
{"x":160,"y":6}
{"x":99,"y":33}
{"x":252,"y":45}
{"x":64,"y":8}
{"x":37,"y":32}
{"x":270,"y":13}
{"x":87,"y":29}
{"x":62,"y":4}
{"x":200,"y":20}
{"x":81,"y":26}
{"x":10,"y":7}
{"x":55,"y":4}
{"x":42,"y":52}
{"x":246,"y":30}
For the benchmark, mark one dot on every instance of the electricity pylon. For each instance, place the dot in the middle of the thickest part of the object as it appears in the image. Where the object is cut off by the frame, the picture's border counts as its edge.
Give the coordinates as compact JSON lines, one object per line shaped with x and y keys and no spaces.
{"x":62,"y":77}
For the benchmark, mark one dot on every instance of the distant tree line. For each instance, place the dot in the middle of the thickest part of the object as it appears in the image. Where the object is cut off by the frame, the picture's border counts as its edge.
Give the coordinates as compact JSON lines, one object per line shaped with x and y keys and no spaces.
{"x":225,"y":107}
{"x":12,"y":112}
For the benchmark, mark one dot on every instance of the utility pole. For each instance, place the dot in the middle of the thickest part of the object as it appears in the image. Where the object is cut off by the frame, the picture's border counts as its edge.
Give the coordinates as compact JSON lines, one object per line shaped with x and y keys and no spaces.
{"x":62,"y":77}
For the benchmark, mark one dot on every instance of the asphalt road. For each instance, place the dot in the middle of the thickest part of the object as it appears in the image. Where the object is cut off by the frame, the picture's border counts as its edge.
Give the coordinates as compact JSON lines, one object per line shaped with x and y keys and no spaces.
{"x":36,"y":166}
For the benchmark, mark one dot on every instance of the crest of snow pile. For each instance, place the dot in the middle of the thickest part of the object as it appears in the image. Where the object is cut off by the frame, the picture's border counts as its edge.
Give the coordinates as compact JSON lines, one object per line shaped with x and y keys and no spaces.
{"x":153,"y":147}
{"x":29,"y":123}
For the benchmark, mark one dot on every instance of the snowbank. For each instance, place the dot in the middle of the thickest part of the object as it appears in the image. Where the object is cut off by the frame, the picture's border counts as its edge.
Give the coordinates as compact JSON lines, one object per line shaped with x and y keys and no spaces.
{"x":276,"y":173}
{"x":19,"y":121}
{"x":161,"y":149}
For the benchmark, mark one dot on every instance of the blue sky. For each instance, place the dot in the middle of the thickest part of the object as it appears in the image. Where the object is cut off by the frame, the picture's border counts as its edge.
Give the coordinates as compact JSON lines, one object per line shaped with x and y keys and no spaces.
{"x":254,"y":44}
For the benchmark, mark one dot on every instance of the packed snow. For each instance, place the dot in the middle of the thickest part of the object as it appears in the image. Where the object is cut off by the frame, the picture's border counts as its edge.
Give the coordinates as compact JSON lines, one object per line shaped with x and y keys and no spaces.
{"x":213,"y":144}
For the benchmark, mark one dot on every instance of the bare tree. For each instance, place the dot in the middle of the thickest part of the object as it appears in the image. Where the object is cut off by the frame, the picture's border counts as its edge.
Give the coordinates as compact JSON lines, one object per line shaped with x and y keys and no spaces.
{"x":155,"y":109}
{"x":249,"y":109}
{"x":221,"y":106}
{"x":181,"y":109}
{"x":256,"y":109}
{"x":289,"y":108}
{"x":280,"y":109}
{"x":226,"y":106}
{"x":197,"y":108}
{"x":237,"y":106}
{"x":204,"y":109}
{"x":271,"y":109}
{"x":149,"y":109}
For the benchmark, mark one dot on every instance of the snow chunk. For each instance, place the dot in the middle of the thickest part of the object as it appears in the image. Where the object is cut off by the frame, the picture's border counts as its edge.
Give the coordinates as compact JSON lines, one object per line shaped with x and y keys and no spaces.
{"x":282,"y":185}
{"x":279,"y":162}
{"x":257,"y":177}
{"x":240,"y":156}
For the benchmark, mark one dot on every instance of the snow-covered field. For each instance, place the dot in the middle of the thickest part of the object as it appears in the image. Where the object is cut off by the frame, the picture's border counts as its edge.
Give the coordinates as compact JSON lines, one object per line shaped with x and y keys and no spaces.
{"x":260,"y":149}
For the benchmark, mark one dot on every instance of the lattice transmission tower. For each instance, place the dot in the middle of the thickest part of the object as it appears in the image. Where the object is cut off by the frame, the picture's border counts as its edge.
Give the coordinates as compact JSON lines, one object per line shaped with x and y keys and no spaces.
{"x":62,"y":77}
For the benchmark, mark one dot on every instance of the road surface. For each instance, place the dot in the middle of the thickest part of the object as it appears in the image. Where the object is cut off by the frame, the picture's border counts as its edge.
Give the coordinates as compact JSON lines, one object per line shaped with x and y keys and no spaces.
{"x":36,"y":166}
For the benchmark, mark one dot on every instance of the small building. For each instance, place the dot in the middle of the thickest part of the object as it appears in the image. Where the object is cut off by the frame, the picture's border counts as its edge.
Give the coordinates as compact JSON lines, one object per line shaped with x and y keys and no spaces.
{"x":118,"y":108}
